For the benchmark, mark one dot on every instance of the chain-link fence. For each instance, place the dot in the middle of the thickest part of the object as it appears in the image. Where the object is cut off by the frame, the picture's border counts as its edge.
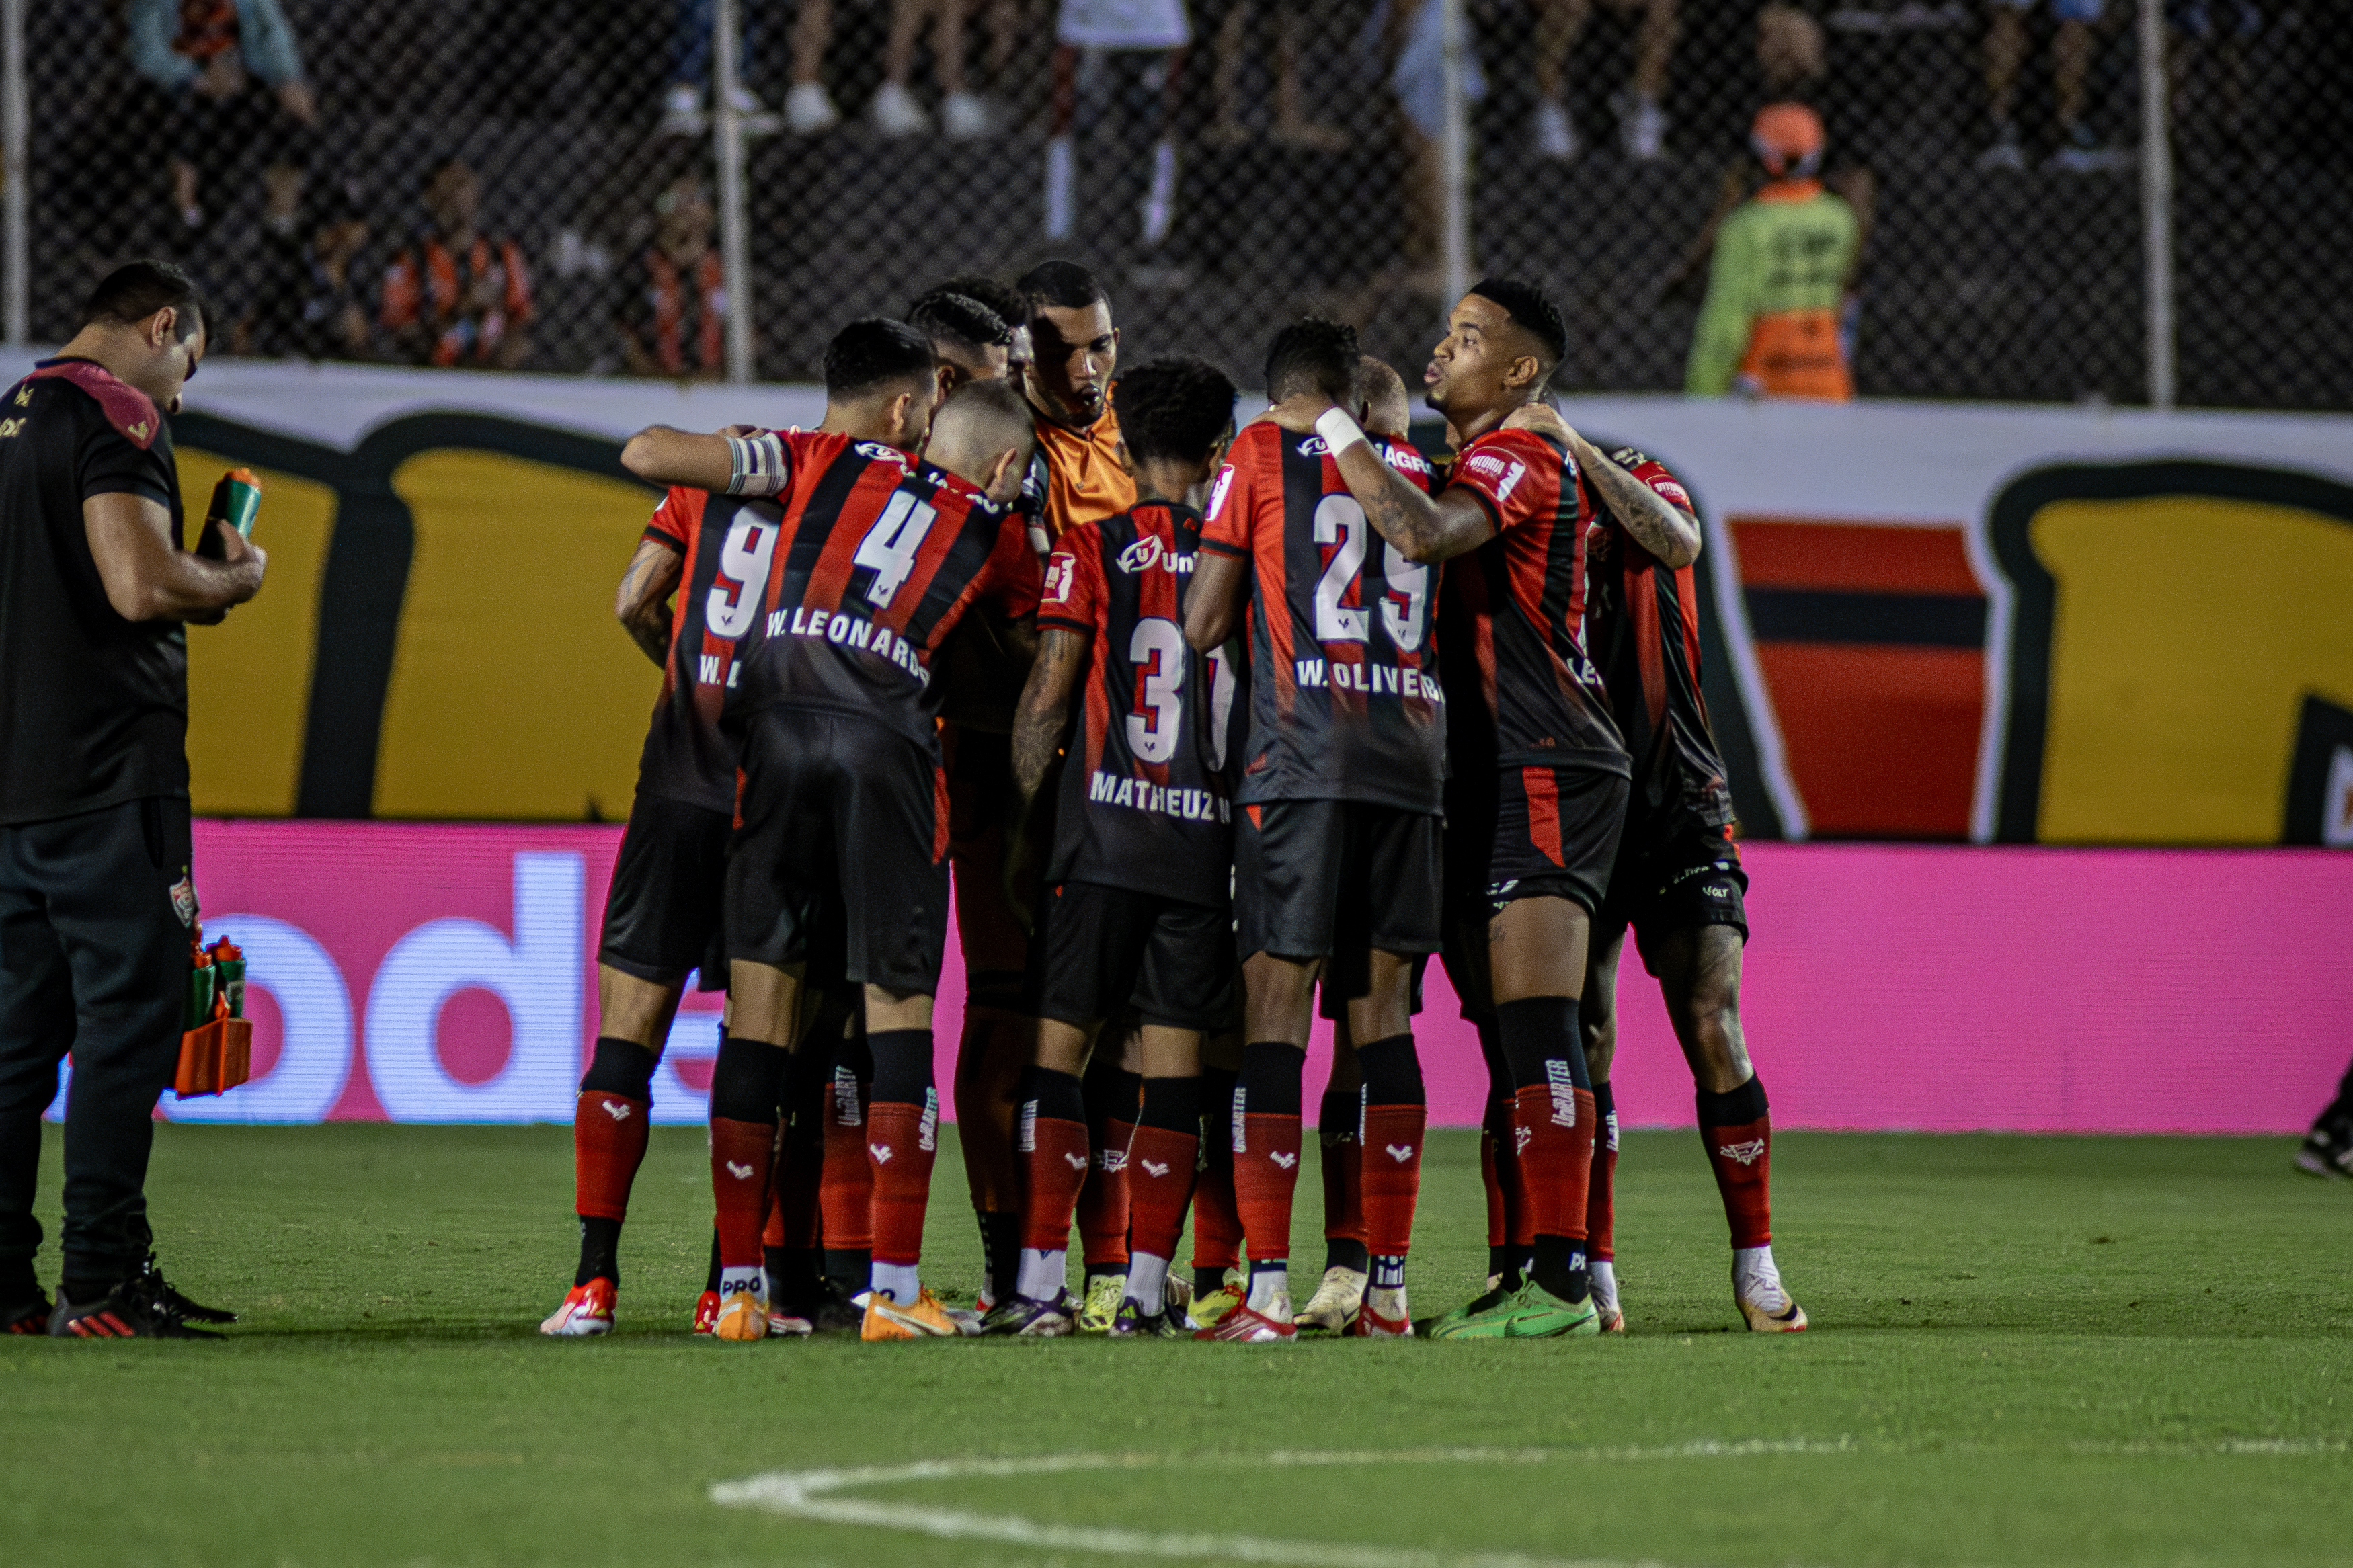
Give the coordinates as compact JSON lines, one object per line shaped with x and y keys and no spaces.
{"x":431,"y":181}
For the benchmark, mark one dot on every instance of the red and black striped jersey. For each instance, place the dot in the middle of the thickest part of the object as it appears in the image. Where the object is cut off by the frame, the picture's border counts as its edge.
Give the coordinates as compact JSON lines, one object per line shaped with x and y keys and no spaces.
{"x":686,"y":758}
{"x":1642,"y":626}
{"x":1344,"y":699}
{"x":877,"y":557}
{"x":1146,"y":796}
{"x":1523,"y":595}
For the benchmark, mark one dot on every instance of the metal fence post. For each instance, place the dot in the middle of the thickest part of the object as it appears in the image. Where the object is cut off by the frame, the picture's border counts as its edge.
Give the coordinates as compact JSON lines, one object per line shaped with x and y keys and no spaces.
{"x":14,"y":122}
{"x":1454,"y":153}
{"x":2157,"y":203}
{"x":727,"y":132}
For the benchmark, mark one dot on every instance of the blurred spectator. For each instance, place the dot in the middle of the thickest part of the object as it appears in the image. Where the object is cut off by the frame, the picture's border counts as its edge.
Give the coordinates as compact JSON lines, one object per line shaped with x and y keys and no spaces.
{"x":1641,"y":123}
{"x":963,"y":114}
{"x":310,"y":301}
{"x":808,"y":108}
{"x":1770,"y":326}
{"x":2071,"y":63}
{"x":691,"y":66}
{"x":1294,"y":127}
{"x":1791,"y":59}
{"x":2218,"y":31}
{"x":232,"y":74}
{"x":673,"y":299}
{"x":456,"y":296}
{"x":1412,"y":34}
{"x":1158,"y":27}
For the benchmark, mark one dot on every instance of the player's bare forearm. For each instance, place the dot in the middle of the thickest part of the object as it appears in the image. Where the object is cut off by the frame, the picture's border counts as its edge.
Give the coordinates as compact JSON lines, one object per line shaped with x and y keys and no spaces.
{"x":1423,"y":528}
{"x":148,"y":578}
{"x":1213,"y":601}
{"x":642,"y":603}
{"x":1658,"y":525}
{"x":1045,"y":707}
{"x":668,"y":456}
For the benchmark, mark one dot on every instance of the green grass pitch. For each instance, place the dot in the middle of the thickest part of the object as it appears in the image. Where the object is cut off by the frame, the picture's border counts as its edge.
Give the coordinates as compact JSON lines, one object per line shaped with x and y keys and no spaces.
{"x":2085,"y":1350}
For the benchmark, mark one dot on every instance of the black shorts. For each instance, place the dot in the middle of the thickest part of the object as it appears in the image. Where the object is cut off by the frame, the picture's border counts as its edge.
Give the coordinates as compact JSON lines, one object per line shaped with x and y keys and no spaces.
{"x":663,"y":912}
{"x":1556,"y":833}
{"x":1320,"y":879}
{"x":843,"y":846}
{"x":1675,"y":874}
{"x":1113,"y":949}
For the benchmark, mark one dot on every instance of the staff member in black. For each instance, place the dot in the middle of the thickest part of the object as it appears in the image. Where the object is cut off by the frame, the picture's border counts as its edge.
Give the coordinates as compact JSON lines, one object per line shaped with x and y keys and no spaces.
{"x":97,"y":901}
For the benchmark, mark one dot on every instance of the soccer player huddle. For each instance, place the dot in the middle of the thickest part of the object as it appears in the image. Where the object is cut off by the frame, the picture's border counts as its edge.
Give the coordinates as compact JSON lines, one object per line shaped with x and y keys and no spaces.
{"x":1203,"y":730}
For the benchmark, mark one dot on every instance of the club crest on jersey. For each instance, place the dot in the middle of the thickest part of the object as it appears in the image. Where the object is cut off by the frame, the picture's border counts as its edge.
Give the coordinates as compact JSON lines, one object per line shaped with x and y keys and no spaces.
{"x":880,"y":453}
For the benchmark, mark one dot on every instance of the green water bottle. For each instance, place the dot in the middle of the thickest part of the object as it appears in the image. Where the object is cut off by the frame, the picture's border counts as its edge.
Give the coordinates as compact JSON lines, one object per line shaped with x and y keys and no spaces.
{"x":236,"y":500}
{"x":228,"y":975}
{"x":201,"y":980}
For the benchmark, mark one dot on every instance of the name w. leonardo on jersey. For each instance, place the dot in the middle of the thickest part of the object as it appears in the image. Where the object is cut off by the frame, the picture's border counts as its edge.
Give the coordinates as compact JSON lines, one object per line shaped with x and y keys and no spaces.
{"x":846,"y":630}
{"x":1142,"y":795}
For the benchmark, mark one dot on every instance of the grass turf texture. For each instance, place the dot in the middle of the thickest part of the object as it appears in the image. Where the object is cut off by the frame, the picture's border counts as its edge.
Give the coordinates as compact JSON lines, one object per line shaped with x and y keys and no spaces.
{"x":2089,"y":1351}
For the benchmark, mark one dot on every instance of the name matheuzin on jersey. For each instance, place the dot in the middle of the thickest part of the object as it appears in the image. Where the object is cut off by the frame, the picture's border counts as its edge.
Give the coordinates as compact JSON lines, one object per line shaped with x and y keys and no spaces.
{"x":1146,"y":801}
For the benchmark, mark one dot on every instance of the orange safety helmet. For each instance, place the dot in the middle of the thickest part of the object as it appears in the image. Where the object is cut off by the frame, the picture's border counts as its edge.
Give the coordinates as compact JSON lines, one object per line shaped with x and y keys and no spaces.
{"x":1788,"y":139}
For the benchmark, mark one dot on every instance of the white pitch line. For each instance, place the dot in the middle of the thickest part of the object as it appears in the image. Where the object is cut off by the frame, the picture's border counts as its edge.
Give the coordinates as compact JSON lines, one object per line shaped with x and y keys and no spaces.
{"x":810,"y":1494}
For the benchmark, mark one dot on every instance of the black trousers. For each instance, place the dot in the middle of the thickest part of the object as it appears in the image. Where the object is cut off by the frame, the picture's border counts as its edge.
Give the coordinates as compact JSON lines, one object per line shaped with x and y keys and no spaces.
{"x":93,"y":960}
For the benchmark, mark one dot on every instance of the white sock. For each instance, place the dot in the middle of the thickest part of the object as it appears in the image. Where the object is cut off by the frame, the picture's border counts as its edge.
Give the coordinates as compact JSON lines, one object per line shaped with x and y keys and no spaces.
{"x":1043,"y":1274}
{"x":896,"y":1280}
{"x":1754,"y":1277}
{"x":1268,"y":1286}
{"x":1604,"y":1275}
{"x":735,"y":1281}
{"x":1147,"y":1282}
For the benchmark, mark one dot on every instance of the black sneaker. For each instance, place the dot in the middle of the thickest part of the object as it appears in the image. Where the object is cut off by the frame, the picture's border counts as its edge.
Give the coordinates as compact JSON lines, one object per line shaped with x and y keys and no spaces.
{"x":30,"y":1316}
{"x":139,"y":1308}
{"x":2327,"y":1150}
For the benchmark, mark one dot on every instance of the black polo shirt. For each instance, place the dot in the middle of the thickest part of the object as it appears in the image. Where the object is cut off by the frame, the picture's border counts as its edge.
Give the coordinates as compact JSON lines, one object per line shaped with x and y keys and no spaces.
{"x":93,"y":708}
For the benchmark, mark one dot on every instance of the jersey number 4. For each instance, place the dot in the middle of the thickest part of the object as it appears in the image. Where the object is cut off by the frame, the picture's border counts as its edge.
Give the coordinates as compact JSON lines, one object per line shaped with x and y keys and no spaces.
{"x":889,"y":547}
{"x":1405,"y":606}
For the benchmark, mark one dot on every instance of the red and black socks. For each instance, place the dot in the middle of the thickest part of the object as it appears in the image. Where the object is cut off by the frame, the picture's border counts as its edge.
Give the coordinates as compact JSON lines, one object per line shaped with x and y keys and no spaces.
{"x":1737,"y":1128}
{"x":1601,"y":1202}
{"x":1052,"y":1138}
{"x":1266,"y":1158}
{"x":1509,"y":1231}
{"x":1160,"y":1184}
{"x":1394,"y":1115}
{"x":1216,"y":1223}
{"x":902,"y":1143}
{"x":1113,"y":1095}
{"x":1552,"y":1122}
{"x":845,"y":1188}
{"x":747,"y":1084}
{"x":608,"y":1143}
{"x":1337,"y":1117}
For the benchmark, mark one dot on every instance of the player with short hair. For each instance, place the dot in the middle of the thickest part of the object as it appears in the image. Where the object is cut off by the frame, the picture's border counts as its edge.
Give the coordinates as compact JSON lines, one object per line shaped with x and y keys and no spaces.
{"x":1514,"y":508}
{"x":1678,"y":882}
{"x":1135,"y":911}
{"x":834,"y":704}
{"x":971,"y":341}
{"x":1336,"y":852}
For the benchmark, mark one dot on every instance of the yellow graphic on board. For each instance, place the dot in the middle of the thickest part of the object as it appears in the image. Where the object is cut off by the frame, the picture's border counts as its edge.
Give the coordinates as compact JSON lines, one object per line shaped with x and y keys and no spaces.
{"x":249,"y":677}
{"x":515,"y":694}
{"x":2186,"y":631}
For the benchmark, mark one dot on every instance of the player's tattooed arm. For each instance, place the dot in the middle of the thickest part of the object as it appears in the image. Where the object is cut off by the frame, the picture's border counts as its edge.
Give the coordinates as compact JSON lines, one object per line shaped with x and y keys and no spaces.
{"x":1423,"y":527}
{"x":642,"y":604}
{"x":1658,"y":525}
{"x":1044,"y":714}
